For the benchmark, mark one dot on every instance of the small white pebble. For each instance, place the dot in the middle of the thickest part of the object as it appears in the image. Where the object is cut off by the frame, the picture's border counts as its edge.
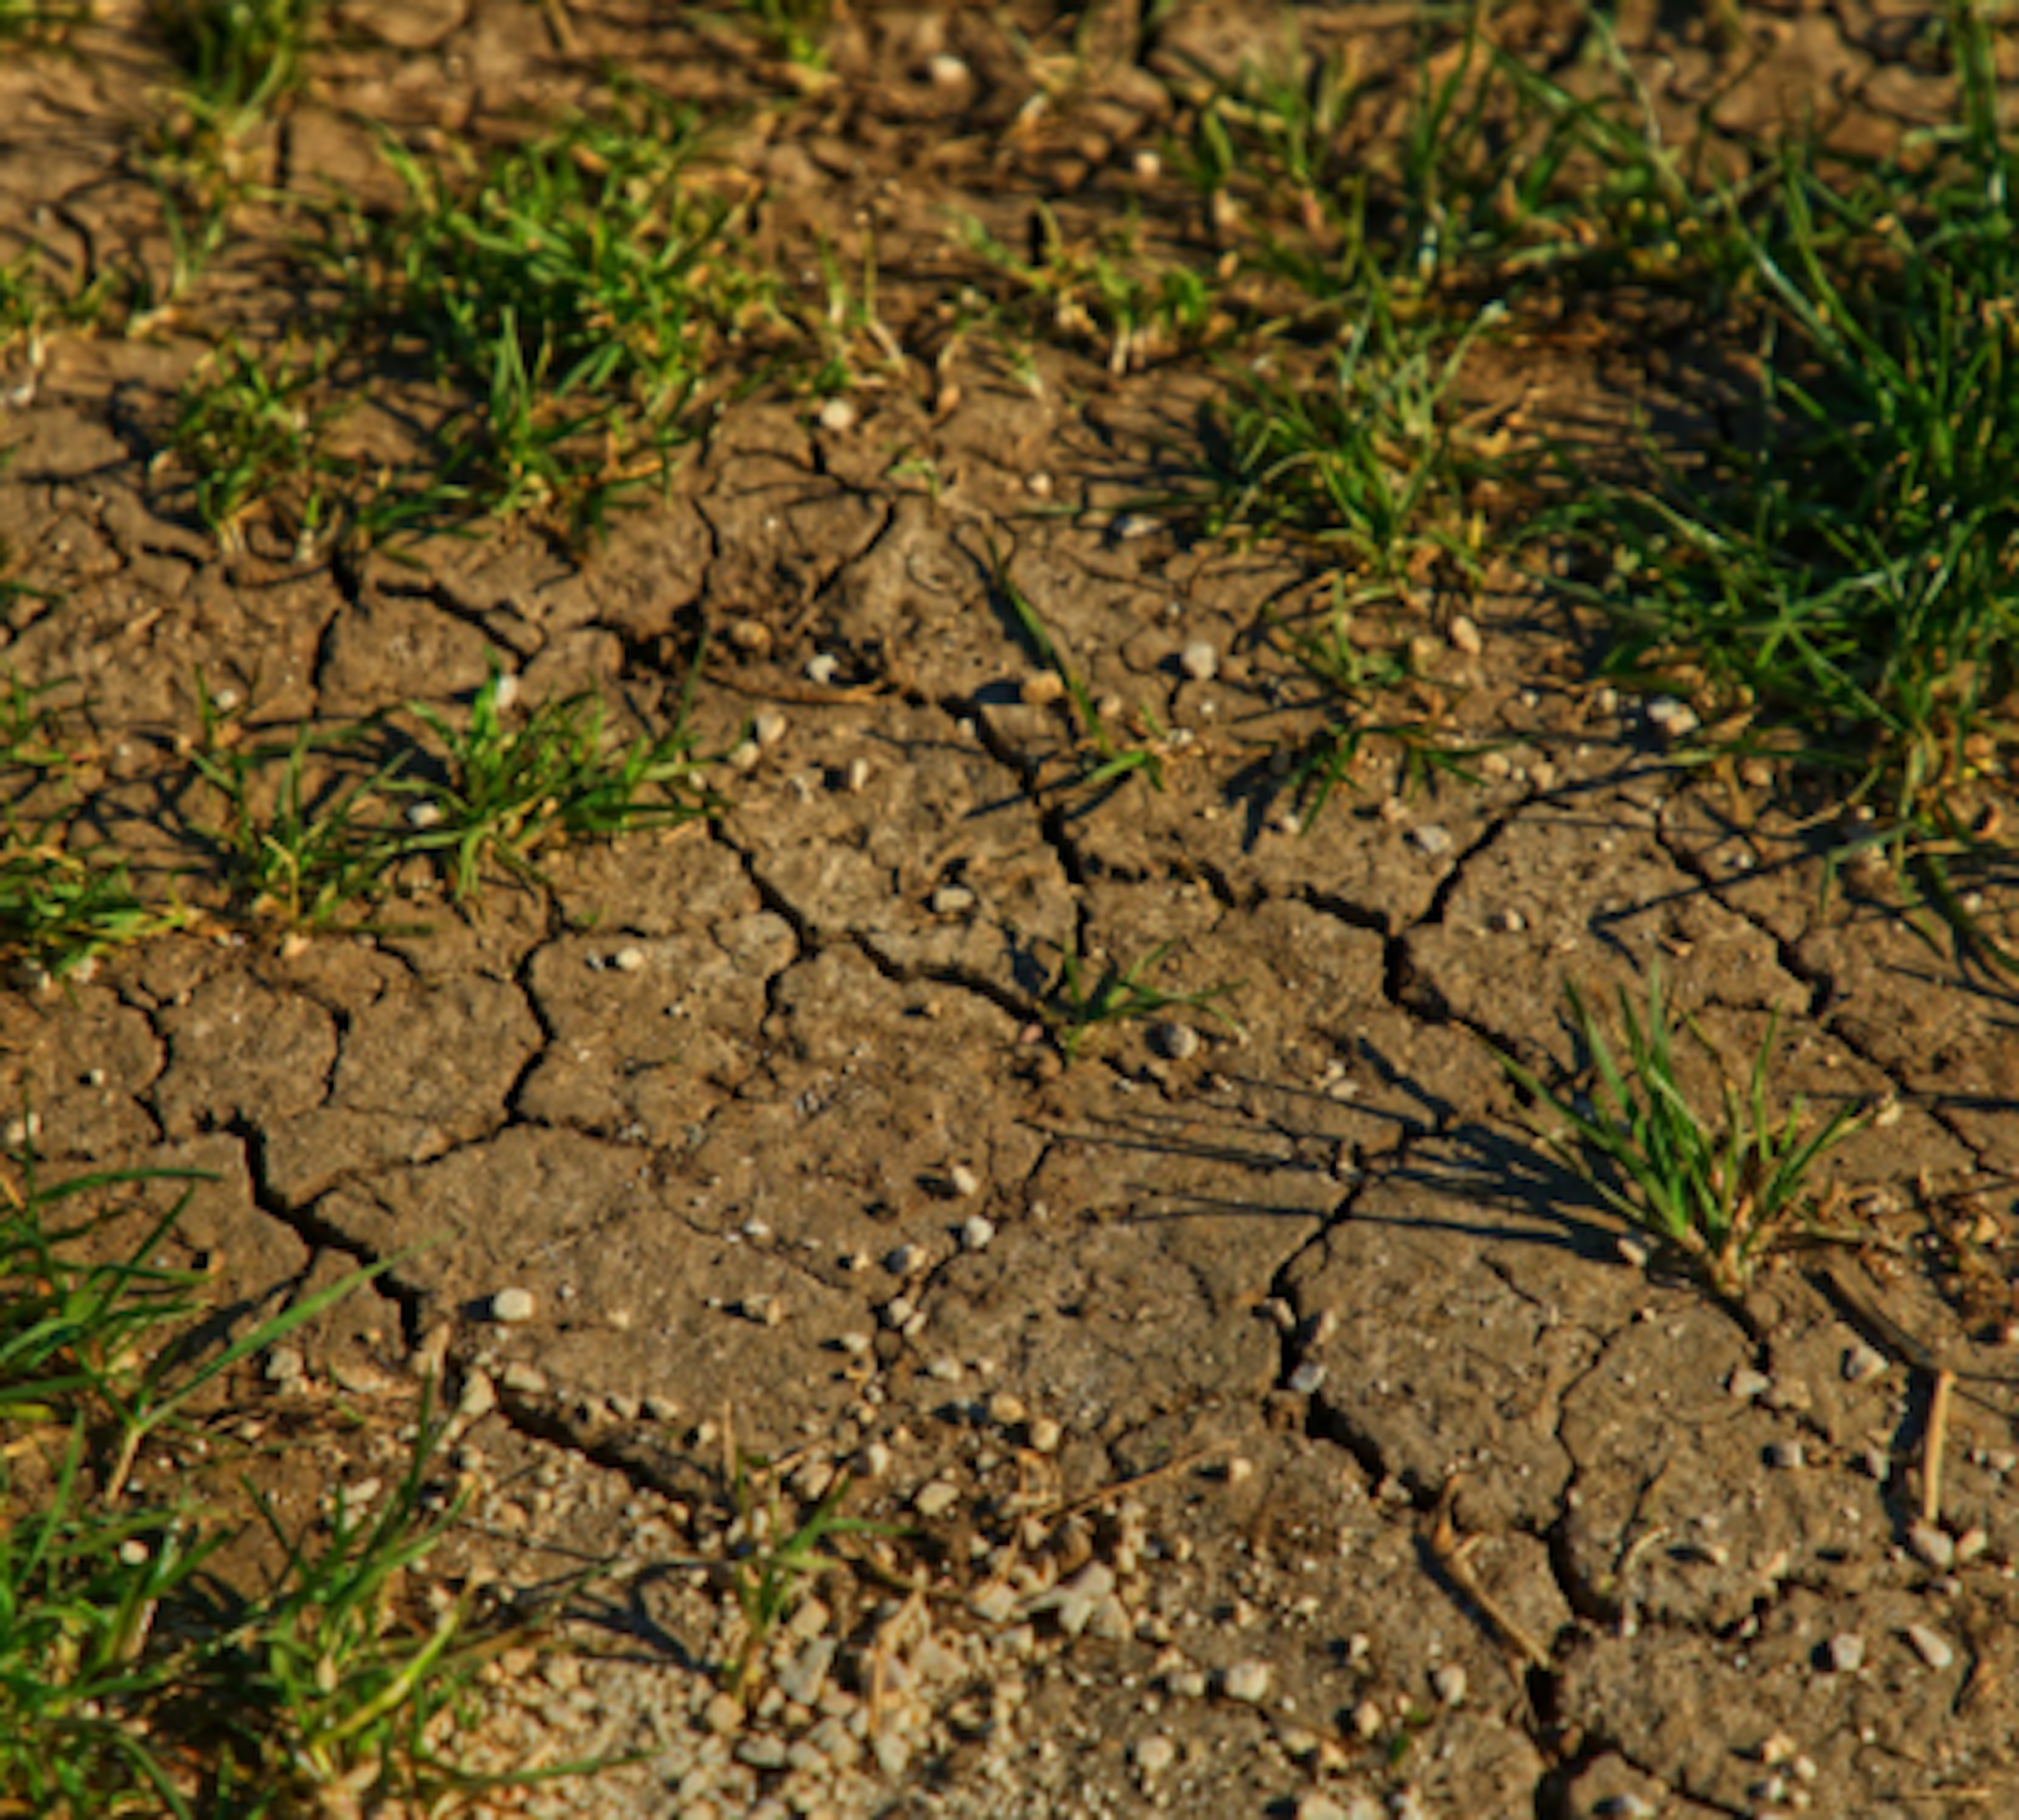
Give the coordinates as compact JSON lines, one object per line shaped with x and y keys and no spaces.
{"x":965,"y":1182}
{"x":1449,"y":1684}
{"x":1247,"y":1682}
{"x":1786,"y":1455}
{"x":768,"y":726}
{"x":1932,"y":1545}
{"x":1154,"y":1755}
{"x":1863,"y":1363}
{"x":1200,"y":661}
{"x":977,"y":1232}
{"x":1846,"y":1652}
{"x":903,"y":1259}
{"x":838,"y":415}
{"x":1308,"y":1376}
{"x":947,"y":71}
{"x":1464,"y":636}
{"x":953,"y":900}
{"x":935,"y":1498}
{"x":1431,"y":838}
{"x":1931,"y":1646}
{"x":1175,"y":1042}
{"x":628,"y":959}
{"x":423,"y":814}
{"x":1746,"y":1385}
{"x":855,"y":779}
{"x":854,"y":1344}
{"x":823,"y":667}
{"x":513,"y":1307}
{"x":1045,"y":1434}
{"x":1239,"y":1470}
{"x":1971,"y":1544}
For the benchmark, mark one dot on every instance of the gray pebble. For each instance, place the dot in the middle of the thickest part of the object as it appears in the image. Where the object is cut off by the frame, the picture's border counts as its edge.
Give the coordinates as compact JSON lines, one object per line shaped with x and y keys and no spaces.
{"x":1431,"y":838}
{"x":1846,"y":1652}
{"x":1175,"y":1042}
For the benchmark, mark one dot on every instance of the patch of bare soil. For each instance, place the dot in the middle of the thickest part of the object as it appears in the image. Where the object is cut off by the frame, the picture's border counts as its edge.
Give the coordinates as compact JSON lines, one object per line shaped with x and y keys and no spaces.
{"x":1272,"y":1427}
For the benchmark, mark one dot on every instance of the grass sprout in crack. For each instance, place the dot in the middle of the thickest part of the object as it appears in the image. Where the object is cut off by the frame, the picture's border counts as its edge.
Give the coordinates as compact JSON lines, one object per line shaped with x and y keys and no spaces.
{"x":1362,"y":684}
{"x":318,"y":824}
{"x":508,"y":791}
{"x":1720,"y":1190}
{"x":1085,"y":1000}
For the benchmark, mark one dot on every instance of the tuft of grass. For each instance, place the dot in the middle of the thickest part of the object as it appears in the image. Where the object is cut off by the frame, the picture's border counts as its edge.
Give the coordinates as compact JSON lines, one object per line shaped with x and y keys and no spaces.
{"x":61,"y":910}
{"x":1720,"y":1190}
{"x":768,"y":1579}
{"x":316,"y":825}
{"x":306,"y":838}
{"x":1357,"y":682}
{"x":1364,"y":459}
{"x":573,"y":299}
{"x":505,"y":792}
{"x":1085,"y":1000}
{"x":239,"y":59}
{"x":246,"y":431}
{"x":130,"y":1679}
{"x":1104,"y":292}
{"x":1837,"y":589}
{"x":1103,"y":761}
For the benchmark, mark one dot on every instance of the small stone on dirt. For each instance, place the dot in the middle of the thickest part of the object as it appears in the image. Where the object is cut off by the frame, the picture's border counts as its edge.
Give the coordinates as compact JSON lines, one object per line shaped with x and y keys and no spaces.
{"x":1432,"y":838}
{"x":1154,"y":1755}
{"x":1041,"y":688}
{"x":1200,"y":661}
{"x":1449,"y":1684}
{"x":1932,"y":1545}
{"x":1308,"y":1376}
{"x":1863,"y":1363}
{"x":1844,"y":1653}
{"x":768,"y":726}
{"x":629,"y":960}
{"x":1464,"y":636}
{"x":513,"y":1307}
{"x":286,"y":1368}
{"x":1786,"y":1455}
{"x":1045,"y":1436}
{"x":1247,"y":1682}
{"x":1931,"y":1646}
{"x":823,"y":667}
{"x":935,"y":1499}
{"x":838,"y":416}
{"x":1175,"y":1042}
{"x":963,"y":1181}
{"x":1745,"y":1384}
{"x":977,"y":1232}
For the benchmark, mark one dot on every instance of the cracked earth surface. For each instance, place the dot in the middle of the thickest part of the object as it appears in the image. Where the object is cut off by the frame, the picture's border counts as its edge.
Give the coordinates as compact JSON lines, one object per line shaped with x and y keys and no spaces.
{"x":1307,"y":1442}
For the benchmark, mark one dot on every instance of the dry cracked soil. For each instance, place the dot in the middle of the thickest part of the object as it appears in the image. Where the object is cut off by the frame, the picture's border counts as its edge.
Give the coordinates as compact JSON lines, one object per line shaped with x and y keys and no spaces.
{"x":1265,"y":1424}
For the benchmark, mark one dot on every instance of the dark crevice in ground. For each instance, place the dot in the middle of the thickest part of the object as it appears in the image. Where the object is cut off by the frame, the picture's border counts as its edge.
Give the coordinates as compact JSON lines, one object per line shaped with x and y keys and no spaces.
{"x":320,"y":1234}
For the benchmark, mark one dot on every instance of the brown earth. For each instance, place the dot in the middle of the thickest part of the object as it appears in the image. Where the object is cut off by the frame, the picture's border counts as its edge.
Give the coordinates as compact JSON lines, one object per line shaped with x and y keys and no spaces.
{"x":1287,"y":1338}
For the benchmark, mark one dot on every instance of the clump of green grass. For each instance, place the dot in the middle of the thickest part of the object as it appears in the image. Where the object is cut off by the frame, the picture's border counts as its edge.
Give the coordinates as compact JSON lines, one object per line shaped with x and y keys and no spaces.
{"x":1366,"y":457}
{"x":307,"y":837}
{"x":506,"y":792}
{"x":61,"y":910}
{"x":771,"y":1575}
{"x":249,"y":432}
{"x":1836,"y":589}
{"x":131,"y":1680}
{"x":1718,"y":1188}
{"x":1086,"y":999}
{"x":1103,"y":760}
{"x":1103,"y":290}
{"x":572,"y":297}
{"x":316,"y":825}
{"x":239,"y":59}
{"x":1361,"y":685}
